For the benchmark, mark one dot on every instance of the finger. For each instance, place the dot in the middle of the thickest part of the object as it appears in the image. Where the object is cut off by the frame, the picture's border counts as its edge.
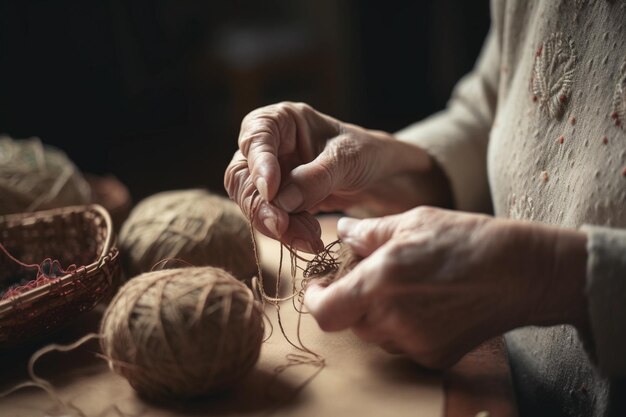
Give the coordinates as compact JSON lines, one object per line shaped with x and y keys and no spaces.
{"x":262,"y":133}
{"x":335,"y":307}
{"x":365,"y":236}
{"x":344,"y":302}
{"x":304,"y":233}
{"x":350,"y":161}
{"x":259,"y":139}
{"x":391,"y":348}
{"x":268,"y":219}
{"x":300,"y":230}
{"x":340,"y":166}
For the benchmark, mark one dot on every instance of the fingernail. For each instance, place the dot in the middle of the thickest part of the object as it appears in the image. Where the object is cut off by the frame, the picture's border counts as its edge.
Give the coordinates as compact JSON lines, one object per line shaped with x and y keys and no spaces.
{"x":271,"y":224}
{"x":303,"y":245}
{"x":318,"y":246}
{"x":261,"y":185}
{"x":290,"y":198}
{"x":345,"y":226}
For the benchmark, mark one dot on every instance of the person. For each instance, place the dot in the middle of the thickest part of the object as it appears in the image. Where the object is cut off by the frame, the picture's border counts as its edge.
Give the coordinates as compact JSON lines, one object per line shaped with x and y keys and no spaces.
{"x":537,"y":132}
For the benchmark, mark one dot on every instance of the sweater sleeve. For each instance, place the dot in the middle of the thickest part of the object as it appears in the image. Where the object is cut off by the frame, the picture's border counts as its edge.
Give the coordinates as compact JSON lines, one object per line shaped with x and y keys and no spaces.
{"x":606,"y":297}
{"x":457,"y":137}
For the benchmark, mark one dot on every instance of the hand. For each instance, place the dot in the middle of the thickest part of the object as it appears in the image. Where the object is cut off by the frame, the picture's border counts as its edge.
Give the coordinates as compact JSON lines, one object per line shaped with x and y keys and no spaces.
{"x":435,"y":283}
{"x":301,"y":161}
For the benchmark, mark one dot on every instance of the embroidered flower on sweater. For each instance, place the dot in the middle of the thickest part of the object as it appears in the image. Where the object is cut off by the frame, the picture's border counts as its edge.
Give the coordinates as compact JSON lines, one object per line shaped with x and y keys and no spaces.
{"x":552,"y":75}
{"x":521,"y":208}
{"x":619,"y":99}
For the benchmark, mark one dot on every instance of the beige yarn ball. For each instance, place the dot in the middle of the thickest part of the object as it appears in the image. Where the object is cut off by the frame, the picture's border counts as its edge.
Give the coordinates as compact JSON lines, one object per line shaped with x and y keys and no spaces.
{"x":182,"y":333}
{"x":37,"y":177}
{"x":193,"y":225}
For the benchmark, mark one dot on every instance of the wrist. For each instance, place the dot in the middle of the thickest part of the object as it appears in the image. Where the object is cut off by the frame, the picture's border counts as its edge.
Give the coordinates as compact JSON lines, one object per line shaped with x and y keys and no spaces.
{"x":395,"y":156}
{"x":404,"y":175}
{"x":422,"y":179}
{"x":558,"y":264}
{"x":571,"y":272}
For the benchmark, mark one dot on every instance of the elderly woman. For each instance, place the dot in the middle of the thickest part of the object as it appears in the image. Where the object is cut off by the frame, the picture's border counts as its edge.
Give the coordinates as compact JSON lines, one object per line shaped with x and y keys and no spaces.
{"x":538,"y":132}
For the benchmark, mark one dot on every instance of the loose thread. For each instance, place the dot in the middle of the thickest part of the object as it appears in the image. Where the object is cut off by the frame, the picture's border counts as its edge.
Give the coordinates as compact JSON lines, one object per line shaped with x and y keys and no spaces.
{"x":255,"y":250}
{"x":39,"y":382}
{"x":257,"y":296}
{"x":309,"y":357}
{"x":324,"y":265}
{"x":163,"y":262}
{"x":264,"y":297}
{"x":42,"y":277}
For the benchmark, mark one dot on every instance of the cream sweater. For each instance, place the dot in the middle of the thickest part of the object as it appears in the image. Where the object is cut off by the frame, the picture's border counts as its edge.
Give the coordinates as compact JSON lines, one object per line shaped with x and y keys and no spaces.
{"x":538,"y":132}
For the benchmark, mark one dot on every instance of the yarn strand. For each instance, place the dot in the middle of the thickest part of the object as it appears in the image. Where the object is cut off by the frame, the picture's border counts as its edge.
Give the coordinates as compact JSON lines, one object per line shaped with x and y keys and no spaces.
{"x":308,"y":356}
{"x":39,"y":382}
{"x":48,"y":271}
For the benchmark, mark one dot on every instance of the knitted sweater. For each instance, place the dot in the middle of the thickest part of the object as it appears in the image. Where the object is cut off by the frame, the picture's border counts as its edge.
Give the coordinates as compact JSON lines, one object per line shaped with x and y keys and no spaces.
{"x":537,"y":131}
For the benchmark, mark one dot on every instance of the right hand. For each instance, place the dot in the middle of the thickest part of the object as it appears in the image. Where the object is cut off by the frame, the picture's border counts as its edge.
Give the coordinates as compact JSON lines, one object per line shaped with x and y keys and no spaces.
{"x":302,"y":161}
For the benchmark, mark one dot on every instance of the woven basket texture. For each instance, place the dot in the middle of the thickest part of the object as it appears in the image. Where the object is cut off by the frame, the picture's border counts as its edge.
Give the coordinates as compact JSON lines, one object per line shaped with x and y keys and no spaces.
{"x":80,"y":235}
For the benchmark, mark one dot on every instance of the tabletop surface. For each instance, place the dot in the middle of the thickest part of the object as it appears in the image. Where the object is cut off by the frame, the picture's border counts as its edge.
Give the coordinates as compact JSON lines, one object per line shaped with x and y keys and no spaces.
{"x":357,"y":379}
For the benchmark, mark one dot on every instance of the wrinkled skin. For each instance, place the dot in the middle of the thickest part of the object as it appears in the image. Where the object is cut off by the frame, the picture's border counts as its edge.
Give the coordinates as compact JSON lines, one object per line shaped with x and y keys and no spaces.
{"x":294,"y":161}
{"x":433,"y":283}
{"x":436,"y":283}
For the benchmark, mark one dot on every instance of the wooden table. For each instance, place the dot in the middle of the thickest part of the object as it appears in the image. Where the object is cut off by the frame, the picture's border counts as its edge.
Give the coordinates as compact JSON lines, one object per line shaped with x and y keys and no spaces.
{"x":481,"y":381}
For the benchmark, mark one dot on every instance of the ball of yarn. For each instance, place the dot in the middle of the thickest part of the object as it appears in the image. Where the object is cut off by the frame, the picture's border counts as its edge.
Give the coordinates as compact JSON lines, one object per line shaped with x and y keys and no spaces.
{"x":182,"y":333}
{"x":37,"y":177}
{"x":191,"y":225}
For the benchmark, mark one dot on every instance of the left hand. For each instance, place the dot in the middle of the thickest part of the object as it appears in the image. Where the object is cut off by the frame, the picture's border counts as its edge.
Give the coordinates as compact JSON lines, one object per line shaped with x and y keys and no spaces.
{"x":434,"y":283}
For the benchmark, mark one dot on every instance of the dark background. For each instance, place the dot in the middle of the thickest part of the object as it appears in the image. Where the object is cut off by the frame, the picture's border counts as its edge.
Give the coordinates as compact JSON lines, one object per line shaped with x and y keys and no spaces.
{"x":153,"y":91}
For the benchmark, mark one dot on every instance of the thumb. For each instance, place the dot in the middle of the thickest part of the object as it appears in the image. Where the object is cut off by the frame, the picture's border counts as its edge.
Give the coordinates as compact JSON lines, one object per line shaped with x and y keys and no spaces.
{"x":338,"y":305}
{"x":365,"y":236}
{"x":342,"y":165}
{"x":344,"y":302}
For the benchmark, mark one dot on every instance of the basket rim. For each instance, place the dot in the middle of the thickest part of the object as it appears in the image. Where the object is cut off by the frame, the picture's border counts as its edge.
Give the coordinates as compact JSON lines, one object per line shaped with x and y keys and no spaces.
{"x":107,"y":251}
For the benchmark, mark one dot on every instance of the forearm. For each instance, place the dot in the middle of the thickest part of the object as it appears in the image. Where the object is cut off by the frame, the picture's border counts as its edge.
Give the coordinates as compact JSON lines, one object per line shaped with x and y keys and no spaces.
{"x":585,"y":271}
{"x":553,"y":261}
{"x":571,"y":271}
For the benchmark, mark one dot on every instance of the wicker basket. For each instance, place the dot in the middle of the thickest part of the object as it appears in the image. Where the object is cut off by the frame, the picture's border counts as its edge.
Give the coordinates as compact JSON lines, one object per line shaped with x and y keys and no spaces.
{"x":80,"y":235}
